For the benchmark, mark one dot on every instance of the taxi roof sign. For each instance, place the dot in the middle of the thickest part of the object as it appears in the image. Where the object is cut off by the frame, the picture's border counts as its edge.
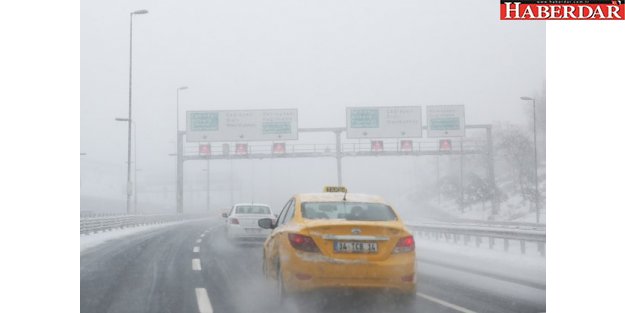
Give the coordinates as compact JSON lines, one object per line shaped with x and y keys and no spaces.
{"x":334,"y":189}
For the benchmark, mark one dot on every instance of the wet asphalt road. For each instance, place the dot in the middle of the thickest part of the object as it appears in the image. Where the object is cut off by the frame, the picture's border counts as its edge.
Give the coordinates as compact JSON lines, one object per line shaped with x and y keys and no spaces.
{"x":154,"y":272}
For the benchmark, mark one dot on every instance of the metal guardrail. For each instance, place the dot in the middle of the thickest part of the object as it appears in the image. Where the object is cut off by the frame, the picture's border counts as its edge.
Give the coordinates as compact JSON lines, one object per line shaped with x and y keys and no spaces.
{"x":495,"y":224}
{"x":454,"y":232}
{"x":96,"y":224}
{"x":438,"y":231}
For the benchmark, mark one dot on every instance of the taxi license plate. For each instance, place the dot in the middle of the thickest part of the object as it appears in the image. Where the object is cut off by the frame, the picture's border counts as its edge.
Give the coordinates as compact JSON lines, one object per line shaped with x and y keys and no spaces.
{"x":253,"y":230}
{"x":355,"y":247}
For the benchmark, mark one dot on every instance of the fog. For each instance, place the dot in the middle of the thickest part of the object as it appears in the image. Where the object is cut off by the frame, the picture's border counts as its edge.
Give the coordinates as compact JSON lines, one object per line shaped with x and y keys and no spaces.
{"x":318,"y":57}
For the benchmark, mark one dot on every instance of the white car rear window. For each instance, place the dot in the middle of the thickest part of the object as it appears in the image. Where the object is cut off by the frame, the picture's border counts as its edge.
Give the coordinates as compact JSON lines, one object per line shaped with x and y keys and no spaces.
{"x":252,"y":209}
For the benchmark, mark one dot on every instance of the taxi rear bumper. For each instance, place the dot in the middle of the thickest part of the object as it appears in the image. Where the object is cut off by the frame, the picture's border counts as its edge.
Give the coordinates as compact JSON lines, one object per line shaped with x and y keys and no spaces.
{"x":305,"y":271}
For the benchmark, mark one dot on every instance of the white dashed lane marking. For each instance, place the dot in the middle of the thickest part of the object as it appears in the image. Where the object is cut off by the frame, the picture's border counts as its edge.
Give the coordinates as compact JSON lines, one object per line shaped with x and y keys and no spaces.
{"x":199,"y":240}
{"x":202,"y":235}
{"x":195,"y":265}
{"x":203,"y":302}
{"x":196,"y":249}
{"x":212,"y":228}
{"x":445,"y":303}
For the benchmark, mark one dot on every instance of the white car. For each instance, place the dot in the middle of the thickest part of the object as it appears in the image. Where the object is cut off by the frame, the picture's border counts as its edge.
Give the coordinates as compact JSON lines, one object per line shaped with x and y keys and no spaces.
{"x":242,"y":221}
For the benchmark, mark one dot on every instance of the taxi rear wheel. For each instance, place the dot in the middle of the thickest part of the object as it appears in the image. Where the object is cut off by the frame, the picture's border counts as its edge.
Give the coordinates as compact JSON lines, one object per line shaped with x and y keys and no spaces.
{"x":282,"y":294}
{"x":264,"y":265}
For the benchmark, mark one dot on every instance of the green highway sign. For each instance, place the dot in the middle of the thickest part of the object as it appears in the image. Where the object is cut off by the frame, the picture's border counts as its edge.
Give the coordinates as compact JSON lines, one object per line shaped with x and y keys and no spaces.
{"x":445,"y":123}
{"x":364,"y":118}
{"x":445,"y":120}
{"x":276,"y":128}
{"x":203,"y":121}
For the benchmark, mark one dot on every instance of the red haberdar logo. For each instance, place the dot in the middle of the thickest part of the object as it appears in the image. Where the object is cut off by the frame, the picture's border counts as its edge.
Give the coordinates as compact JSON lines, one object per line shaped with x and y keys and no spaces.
{"x":562,"y":10}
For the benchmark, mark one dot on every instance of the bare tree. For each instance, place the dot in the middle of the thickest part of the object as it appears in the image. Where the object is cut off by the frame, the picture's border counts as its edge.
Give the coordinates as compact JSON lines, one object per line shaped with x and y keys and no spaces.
{"x":514,"y":148}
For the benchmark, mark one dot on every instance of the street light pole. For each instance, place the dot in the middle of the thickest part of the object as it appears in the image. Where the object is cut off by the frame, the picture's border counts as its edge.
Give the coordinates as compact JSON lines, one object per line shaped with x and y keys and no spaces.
{"x":136,"y":194}
{"x":535,"y":162}
{"x":179,"y":156}
{"x":134,"y":125}
{"x":128,"y":181}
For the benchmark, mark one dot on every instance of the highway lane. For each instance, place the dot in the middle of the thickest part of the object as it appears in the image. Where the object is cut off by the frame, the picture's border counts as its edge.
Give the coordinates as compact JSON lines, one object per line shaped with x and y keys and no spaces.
{"x":150,"y":272}
{"x":155,"y":272}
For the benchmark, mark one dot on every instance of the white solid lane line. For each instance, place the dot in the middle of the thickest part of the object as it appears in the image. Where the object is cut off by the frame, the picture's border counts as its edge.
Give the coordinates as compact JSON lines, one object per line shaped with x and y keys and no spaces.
{"x":196,"y":249}
{"x":203,"y":302}
{"x":444,"y":303}
{"x":195,"y":265}
{"x":199,"y":240}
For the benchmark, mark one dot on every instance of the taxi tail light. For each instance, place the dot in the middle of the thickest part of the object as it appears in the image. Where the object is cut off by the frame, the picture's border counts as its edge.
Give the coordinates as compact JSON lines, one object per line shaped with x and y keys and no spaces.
{"x":408,"y":278}
{"x":302,"y":276}
{"x":234,"y":221}
{"x":405,"y":244}
{"x":304,"y":243}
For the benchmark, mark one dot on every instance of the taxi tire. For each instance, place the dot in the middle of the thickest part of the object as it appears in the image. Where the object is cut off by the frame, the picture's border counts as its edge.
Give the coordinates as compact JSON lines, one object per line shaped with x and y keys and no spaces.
{"x":264,"y":267}
{"x":282,"y":294}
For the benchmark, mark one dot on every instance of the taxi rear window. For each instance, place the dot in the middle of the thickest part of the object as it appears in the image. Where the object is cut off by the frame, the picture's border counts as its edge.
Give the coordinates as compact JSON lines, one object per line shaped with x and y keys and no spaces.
{"x":351,"y":211}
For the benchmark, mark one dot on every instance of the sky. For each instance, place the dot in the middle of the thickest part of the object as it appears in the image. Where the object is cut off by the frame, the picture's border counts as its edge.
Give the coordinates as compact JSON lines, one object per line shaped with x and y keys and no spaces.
{"x":316,"y":56}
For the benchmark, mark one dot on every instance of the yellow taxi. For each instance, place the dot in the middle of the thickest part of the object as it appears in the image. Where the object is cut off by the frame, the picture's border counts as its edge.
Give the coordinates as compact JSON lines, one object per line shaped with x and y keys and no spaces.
{"x":337,"y":239}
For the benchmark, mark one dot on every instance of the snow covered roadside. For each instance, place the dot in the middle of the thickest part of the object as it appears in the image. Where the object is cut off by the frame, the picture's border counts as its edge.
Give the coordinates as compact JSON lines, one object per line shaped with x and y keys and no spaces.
{"x":528,"y":269}
{"x":92,"y":240}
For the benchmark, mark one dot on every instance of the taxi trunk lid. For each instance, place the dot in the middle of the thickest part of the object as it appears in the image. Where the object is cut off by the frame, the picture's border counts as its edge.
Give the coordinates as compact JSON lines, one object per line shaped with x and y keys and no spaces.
{"x":355,"y":240}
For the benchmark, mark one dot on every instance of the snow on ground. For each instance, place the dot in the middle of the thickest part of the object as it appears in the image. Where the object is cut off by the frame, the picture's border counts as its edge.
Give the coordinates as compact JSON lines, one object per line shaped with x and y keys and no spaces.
{"x":92,"y":240}
{"x":513,"y":208}
{"x":488,"y":286}
{"x":495,"y":272}
{"x":528,"y":268}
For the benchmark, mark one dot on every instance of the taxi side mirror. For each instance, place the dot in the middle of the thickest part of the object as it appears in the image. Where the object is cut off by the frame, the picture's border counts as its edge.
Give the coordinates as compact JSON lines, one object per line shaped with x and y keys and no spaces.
{"x":224,"y":215}
{"x":266,"y":223}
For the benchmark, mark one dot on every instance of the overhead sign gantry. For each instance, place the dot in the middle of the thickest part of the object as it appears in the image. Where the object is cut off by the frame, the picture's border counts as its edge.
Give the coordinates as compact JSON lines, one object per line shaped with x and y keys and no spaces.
{"x":403,"y":123}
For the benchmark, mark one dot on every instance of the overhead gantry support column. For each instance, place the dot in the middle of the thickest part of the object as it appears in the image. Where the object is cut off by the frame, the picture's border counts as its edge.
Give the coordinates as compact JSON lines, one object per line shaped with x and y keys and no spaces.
{"x":339,"y":155}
